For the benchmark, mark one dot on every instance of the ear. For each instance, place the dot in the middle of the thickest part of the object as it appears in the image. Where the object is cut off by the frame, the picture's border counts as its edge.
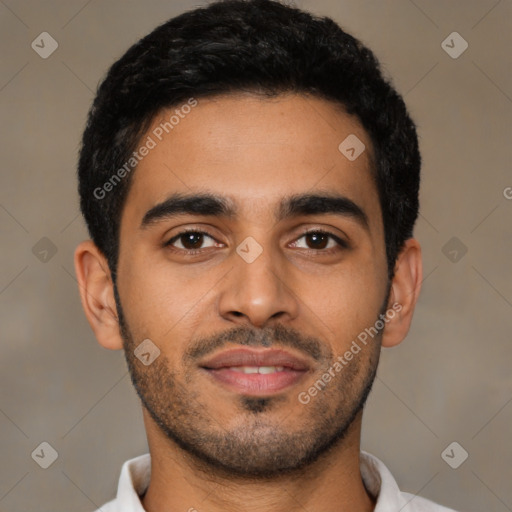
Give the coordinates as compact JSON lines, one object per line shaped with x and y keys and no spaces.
{"x":405,"y":289}
{"x":97,"y":294}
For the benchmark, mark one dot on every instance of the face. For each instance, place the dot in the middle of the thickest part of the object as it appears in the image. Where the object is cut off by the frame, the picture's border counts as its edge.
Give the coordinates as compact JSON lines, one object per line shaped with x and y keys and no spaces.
{"x":256,"y":275}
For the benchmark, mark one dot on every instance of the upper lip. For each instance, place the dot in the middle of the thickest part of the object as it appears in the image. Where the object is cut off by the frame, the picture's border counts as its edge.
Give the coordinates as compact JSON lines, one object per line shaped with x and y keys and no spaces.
{"x":250,"y":357}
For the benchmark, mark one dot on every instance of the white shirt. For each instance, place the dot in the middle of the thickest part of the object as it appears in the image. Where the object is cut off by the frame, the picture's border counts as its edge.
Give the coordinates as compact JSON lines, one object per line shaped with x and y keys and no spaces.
{"x":378,"y":480}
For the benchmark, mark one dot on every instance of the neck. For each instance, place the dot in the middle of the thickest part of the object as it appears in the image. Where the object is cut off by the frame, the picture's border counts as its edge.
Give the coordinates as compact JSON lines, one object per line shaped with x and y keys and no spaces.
{"x":179,"y":482}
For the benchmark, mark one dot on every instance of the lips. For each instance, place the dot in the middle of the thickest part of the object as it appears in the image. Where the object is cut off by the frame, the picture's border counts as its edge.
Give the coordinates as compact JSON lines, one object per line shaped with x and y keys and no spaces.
{"x":248,"y":357}
{"x":256,"y":372}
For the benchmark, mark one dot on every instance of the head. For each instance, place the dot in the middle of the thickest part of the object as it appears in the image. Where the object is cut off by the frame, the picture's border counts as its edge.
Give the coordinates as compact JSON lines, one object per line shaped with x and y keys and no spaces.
{"x":272,"y":137}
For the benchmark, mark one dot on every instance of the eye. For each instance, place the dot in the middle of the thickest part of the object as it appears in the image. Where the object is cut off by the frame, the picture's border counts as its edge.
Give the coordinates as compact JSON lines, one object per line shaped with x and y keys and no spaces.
{"x":191,"y":241}
{"x":321,"y":241}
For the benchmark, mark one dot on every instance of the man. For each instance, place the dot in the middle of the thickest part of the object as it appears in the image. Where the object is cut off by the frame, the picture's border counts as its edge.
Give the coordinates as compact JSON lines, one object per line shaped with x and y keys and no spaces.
{"x":250,"y":184}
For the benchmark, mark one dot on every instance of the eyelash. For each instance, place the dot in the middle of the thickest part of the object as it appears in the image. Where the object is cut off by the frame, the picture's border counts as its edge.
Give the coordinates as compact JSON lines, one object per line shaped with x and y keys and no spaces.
{"x":342,"y":244}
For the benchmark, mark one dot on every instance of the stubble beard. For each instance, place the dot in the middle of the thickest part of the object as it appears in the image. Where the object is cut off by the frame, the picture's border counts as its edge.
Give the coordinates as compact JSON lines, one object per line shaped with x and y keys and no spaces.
{"x":256,"y":446}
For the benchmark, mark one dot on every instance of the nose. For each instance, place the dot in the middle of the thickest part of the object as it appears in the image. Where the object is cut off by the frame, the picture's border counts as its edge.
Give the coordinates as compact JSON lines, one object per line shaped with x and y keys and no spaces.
{"x":258,"y":291}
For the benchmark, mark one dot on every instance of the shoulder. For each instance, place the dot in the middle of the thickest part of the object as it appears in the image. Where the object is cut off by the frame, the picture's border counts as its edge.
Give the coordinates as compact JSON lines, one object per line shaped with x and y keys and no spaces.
{"x":133,"y":481}
{"x":382,"y":486}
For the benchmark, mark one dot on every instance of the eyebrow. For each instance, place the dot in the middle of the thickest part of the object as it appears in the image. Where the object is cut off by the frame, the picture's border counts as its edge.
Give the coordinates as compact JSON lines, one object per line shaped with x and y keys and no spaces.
{"x":212,"y":205}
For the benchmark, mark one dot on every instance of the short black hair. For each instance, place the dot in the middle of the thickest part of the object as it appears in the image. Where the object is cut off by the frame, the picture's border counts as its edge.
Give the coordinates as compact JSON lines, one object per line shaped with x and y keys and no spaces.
{"x":229,"y":46}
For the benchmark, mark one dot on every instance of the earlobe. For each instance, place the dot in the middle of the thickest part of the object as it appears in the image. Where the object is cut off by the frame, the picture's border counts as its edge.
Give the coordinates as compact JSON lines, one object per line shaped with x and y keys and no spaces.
{"x":405,"y":290}
{"x":97,"y":294}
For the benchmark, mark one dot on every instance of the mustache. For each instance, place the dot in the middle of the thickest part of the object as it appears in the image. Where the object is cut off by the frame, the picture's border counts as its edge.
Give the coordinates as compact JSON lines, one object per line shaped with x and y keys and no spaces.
{"x":276,"y":336}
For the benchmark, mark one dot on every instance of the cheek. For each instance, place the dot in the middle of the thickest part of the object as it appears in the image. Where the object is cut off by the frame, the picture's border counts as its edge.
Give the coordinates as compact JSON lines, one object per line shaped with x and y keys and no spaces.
{"x":348,"y":301}
{"x":161,"y":301}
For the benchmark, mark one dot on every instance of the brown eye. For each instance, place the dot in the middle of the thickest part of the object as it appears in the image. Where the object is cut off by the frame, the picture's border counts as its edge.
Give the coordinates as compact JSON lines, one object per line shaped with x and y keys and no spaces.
{"x":190,"y":240}
{"x":318,"y":240}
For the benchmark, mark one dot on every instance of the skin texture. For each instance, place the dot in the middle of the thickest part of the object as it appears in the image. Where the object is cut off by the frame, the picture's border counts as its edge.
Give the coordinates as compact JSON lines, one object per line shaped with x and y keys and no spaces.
{"x":213,"y":448}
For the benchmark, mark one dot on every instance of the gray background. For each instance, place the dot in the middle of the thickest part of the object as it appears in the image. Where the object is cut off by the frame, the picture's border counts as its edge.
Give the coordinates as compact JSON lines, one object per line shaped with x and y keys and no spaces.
{"x":449,"y":381}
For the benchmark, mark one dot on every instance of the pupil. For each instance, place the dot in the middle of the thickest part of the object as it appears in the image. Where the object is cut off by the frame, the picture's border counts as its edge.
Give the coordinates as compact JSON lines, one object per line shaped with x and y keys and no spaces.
{"x":189,"y":239}
{"x":315,"y":237}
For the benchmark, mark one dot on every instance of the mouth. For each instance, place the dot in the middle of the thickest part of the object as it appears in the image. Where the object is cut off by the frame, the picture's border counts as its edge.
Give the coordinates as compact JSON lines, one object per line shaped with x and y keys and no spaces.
{"x":256,"y":372}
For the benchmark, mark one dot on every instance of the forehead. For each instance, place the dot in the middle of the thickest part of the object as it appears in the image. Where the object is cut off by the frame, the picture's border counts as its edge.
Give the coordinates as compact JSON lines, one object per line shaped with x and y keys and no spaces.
{"x":254,"y":151}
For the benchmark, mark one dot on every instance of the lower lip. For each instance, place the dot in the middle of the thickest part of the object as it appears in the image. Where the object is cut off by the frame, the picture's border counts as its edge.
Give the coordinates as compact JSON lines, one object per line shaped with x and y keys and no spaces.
{"x":256,"y":384}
